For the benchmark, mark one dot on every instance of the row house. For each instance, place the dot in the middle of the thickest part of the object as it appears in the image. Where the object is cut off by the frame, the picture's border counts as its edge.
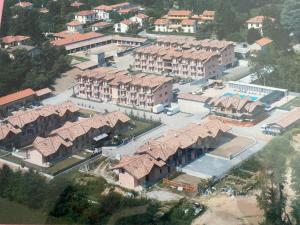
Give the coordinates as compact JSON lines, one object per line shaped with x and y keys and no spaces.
{"x":195,"y":64}
{"x":225,"y":49}
{"x":237,"y":108}
{"x":86,"y":16}
{"x":72,"y":137}
{"x":10,"y":41}
{"x":160,"y":157}
{"x":117,"y":86}
{"x":23,"y":127}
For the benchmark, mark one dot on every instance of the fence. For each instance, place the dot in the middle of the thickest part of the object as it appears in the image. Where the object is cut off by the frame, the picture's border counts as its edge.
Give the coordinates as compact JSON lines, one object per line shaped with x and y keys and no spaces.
{"x":186,"y":187}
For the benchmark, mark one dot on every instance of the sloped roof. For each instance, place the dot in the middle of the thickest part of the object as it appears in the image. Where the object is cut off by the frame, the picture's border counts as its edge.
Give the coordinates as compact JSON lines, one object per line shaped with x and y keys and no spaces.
{"x":16,"y":96}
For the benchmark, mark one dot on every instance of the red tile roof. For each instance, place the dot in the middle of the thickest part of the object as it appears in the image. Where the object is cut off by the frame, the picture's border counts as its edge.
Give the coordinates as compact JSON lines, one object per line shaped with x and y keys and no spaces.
{"x":18,"y":38}
{"x":259,"y":19}
{"x":77,"y":37}
{"x":188,"y":22}
{"x":16,"y":96}
{"x":161,"y":22}
{"x":127,"y":22}
{"x":24,"y":4}
{"x":179,"y":13}
{"x":74,"y":23}
{"x":77,"y":4}
{"x":102,"y":24}
{"x":264,"y":41}
{"x":85,"y":13}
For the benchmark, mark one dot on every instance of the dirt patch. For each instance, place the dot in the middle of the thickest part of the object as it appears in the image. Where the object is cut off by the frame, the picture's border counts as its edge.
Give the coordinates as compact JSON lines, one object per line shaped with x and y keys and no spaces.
{"x":187,"y":179}
{"x":227,"y":210}
{"x":233,"y":147}
{"x":66,"y":81}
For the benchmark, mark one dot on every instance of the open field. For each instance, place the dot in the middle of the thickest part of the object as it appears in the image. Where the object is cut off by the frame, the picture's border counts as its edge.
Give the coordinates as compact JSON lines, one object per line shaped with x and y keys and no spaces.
{"x":233,"y":147}
{"x":223,"y":209}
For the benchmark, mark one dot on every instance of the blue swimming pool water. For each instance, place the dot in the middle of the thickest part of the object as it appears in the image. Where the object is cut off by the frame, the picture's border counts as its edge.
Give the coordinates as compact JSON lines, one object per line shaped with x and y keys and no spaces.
{"x":253,"y":98}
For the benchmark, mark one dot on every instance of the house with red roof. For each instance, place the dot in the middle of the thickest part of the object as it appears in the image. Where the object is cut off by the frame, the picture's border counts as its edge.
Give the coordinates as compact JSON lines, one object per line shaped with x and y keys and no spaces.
{"x":125,"y":26}
{"x":75,"y":26}
{"x":141,"y":19}
{"x":27,"y":5}
{"x":12,"y":40}
{"x":257,"y":22}
{"x":86,"y":16}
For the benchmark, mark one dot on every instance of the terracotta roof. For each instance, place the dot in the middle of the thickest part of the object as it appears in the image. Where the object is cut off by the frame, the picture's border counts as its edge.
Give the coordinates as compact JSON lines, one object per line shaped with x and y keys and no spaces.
{"x":289,"y":118}
{"x":85,"y":13}
{"x":102,"y":24}
{"x":259,"y":19}
{"x":188,"y":22}
{"x":24,"y":4}
{"x":157,"y":152}
{"x":179,"y":13}
{"x":6,"y":129}
{"x":191,"y":97}
{"x":76,"y":37}
{"x":235,"y":102}
{"x":103,"y":8}
{"x":264,"y":41}
{"x":127,"y":22}
{"x":21,"y":118}
{"x":128,"y":10}
{"x":117,"y":77}
{"x":208,"y":13}
{"x":10,"y":39}
{"x":16,"y":96}
{"x":161,"y":22}
{"x":43,"y":91}
{"x":74,"y":23}
{"x":77,"y":4}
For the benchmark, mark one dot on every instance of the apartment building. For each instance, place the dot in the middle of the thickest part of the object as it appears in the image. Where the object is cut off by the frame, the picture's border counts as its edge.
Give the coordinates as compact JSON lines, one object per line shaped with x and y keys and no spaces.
{"x":86,"y":16}
{"x":237,"y":108}
{"x":225,"y":49}
{"x":196,"y":64}
{"x":72,"y":137}
{"x":118,"y":86}
{"x":160,"y":157}
{"x":23,"y":127}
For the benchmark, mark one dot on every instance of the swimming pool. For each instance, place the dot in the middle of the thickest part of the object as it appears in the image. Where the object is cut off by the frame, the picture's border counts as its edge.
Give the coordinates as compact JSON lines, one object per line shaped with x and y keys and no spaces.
{"x":252,"y":98}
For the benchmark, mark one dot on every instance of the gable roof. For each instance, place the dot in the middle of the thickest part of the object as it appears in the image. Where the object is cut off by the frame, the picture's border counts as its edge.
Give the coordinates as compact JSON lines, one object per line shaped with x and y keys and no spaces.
{"x":16,"y":96}
{"x":17,"y":38}
{"x":264,"y":41}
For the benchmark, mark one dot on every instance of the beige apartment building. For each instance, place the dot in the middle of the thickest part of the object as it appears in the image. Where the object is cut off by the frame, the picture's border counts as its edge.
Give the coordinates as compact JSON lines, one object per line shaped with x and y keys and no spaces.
{"x":118,"y":86}
{"x":225,"y":49}
{"x":187,"y":63}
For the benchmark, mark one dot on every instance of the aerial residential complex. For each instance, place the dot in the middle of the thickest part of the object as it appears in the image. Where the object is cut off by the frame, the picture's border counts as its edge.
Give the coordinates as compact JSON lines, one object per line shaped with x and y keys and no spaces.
{"x":119,"y":87}
{"x":24,"y":126}
{"x":72,"y":137}
{"x":160,"y":157}
{"x":196,"y":64}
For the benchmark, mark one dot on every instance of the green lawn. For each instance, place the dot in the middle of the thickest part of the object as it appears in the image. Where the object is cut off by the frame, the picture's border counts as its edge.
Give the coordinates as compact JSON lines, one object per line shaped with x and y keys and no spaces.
{"x":13,"y":212}
{"x":293,"y":103}
{"x":140,"y":127}
{"x":62,"y":164}
{"x":78,"y":58}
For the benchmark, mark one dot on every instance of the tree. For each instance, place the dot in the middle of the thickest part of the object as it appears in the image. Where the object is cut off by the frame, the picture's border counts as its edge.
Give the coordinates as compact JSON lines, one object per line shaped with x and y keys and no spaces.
{"x":253,"y":35}
{"x":290,"y":17}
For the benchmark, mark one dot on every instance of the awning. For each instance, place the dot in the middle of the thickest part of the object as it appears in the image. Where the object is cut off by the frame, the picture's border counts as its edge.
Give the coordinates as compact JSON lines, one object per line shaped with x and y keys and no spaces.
{"x":100,"y":137}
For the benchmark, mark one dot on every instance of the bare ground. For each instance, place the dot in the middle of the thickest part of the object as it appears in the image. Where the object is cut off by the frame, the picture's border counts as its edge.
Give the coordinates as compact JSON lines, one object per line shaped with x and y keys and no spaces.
{"x":226,"y":210}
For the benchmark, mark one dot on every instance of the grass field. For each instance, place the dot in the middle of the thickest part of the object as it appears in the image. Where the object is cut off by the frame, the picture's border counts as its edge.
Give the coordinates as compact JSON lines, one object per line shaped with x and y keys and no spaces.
{"x":12,"y":212}
{"x":140,"y":127}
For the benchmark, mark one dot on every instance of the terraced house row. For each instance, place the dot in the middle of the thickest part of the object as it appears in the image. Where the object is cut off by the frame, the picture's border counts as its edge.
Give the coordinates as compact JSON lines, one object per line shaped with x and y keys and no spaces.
{"x":160,"y":157}
{"x":225,"y":49}
{"x":72,"y":137}
{"x":23,"y":127}
{"x":118,"y":86}
{"x":187,"y":63}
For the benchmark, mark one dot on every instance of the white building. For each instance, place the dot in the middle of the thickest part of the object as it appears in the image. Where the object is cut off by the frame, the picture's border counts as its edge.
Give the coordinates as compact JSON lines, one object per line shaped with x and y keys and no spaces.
{"x":161,"y":25}
{"x":257,"y":22}
{"x":102,"y":12}
{"x":86,"y":16}
{"x":141,"y":19}
{"x":124,"y":26}
{"x":75,"y":26}
{"x":188,"y":26}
